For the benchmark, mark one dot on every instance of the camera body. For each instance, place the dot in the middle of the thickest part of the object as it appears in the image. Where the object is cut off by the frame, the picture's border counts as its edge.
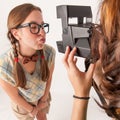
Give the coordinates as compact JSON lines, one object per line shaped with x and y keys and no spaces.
{"x":76,"y":33}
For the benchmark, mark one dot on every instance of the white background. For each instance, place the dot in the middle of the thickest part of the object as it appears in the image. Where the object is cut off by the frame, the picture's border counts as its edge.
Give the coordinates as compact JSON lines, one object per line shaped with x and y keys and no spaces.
{"x":61,"y":89}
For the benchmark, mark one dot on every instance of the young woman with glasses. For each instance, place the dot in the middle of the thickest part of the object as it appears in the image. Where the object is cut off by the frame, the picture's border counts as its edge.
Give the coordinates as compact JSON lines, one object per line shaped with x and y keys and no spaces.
{"x":104,"y":75}
{"x":26,"y":69}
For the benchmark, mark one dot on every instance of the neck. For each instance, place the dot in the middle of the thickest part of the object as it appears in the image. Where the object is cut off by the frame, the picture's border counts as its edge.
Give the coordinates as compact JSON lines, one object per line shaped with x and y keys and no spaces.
{"x":26,"y":52}
{"x":27,"y":55}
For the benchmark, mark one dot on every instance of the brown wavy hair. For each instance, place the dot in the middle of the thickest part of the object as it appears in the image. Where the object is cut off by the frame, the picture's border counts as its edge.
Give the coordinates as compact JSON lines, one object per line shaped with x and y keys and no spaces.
{"x":110,"y":55}
{"x":16,"y":16}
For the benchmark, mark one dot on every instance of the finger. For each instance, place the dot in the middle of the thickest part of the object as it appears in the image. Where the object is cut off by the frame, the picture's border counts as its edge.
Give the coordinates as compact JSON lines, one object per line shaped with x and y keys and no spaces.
{"x":90,"y":70}
{"x":65,"y":58}
{"x":75,"y":60}
{"x":71,"y":59}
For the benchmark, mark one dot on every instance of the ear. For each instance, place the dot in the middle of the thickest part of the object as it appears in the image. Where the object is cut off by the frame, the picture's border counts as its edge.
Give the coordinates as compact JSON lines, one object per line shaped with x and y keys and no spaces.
{"x":16,"y":34}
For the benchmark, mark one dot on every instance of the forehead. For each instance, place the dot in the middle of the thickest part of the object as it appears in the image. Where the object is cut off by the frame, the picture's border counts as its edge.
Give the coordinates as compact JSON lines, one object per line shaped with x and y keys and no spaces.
{"x":34,"y":16}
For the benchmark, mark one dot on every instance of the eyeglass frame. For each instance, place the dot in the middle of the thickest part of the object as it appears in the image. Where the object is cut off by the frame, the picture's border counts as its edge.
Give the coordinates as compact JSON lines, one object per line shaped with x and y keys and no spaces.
{"x":29,"y":25}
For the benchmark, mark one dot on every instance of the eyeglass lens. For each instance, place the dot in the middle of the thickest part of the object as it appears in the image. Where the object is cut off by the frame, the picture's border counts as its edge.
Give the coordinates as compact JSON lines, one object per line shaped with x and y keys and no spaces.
{"x":35,"y":28}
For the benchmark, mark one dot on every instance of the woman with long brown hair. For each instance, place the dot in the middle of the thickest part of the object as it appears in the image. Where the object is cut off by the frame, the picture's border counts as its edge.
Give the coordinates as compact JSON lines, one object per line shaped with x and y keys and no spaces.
{"x":26,"y":69}
{"x":104,"y":75}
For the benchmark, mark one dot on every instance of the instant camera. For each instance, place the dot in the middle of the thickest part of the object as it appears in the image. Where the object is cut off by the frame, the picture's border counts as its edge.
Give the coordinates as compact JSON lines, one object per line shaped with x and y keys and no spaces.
{"x":76,"y":28}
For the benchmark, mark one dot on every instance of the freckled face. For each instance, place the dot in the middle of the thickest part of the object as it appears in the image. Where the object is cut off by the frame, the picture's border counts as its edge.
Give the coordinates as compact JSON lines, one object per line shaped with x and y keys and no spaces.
{"x":27,"y":39}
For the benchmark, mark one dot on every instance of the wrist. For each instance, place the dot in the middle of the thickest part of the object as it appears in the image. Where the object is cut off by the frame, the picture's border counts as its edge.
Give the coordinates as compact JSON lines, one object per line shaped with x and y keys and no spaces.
{"x":43,"y":101}
{"x":82,"y":94}
{"x":34,"y":111}
{"x":81,"y":97}
{"x":44,"y":98}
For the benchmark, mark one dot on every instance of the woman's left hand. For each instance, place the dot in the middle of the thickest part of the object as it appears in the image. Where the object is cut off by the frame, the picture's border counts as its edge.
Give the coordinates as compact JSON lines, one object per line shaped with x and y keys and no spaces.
{"x":81,"y":81}
{"x":41,"y":115}
{"x":42,"y":104}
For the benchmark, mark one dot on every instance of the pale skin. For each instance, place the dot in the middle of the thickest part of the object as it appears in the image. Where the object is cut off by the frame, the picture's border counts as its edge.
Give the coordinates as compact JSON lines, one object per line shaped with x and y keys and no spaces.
{"x":29,"y":43}
{"x":81,"y":82}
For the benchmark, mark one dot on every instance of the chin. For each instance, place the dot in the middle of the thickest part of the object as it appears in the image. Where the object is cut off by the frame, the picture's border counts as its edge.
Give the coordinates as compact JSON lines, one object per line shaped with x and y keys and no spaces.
{"x":40,"y":47}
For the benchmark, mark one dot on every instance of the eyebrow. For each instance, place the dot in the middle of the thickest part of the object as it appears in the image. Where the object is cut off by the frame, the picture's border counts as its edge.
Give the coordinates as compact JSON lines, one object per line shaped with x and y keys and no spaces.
{"x":35,"y":22}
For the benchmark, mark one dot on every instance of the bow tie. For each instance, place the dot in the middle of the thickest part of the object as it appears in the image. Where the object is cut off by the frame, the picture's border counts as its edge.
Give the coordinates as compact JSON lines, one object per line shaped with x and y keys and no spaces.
{"x":33,"y":58}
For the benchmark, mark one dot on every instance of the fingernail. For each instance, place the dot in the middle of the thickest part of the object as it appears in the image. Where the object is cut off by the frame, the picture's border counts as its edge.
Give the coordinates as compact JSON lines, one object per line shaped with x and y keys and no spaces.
{"x":74,"y":48}
{"x":67,"y":47}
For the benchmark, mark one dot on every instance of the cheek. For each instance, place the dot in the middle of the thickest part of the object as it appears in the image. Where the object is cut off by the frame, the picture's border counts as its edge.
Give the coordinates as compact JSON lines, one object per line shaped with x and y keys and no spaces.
{"x":26,"y":34}
{"x":100,"y":48}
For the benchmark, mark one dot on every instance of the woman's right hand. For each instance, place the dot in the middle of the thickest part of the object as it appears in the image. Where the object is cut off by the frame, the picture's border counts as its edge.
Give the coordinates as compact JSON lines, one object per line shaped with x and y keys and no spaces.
{"x":81,"y":81}
{"x":34,"y":111}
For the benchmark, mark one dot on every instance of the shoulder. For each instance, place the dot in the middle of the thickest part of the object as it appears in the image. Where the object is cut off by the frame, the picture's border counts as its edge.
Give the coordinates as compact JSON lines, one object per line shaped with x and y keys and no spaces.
{"x":49,"y":49}
{"x":6,"y":58}
{"x":50,"y":54}
{"x":6,"y":66}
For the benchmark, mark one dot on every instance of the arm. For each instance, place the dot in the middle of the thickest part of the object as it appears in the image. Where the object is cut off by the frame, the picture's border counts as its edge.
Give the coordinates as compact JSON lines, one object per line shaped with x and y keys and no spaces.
{"x":48,"y":85}
{"x":43,"y":101}
{"x":81,"y":82}
{"x":79,"y":110}
{"x":12,"y":92}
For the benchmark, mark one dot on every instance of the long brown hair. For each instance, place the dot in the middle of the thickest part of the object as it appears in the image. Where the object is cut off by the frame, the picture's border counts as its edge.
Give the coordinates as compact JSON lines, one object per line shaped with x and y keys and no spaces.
{"x":15,"y":18}
{"x":110,"y":55}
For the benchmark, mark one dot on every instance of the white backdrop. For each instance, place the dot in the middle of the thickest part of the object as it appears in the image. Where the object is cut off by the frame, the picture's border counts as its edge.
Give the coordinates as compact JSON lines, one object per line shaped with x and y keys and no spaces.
{"x":61,"y":89}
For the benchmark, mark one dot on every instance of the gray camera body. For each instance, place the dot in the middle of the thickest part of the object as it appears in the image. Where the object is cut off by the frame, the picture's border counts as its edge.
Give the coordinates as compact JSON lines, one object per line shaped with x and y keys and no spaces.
{"x":76,"y":33}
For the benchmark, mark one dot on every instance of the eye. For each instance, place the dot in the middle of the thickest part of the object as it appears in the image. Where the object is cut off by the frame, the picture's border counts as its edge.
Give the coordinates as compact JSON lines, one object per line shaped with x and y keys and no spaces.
{"x":34,"y":26}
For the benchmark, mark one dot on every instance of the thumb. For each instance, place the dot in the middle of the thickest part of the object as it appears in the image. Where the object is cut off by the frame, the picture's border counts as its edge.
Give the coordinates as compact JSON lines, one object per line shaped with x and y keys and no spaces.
{"x":90,"y":71}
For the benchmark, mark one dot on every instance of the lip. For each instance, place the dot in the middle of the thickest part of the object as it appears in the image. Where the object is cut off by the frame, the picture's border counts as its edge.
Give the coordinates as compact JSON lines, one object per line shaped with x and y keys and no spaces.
{"x":42,"y":40}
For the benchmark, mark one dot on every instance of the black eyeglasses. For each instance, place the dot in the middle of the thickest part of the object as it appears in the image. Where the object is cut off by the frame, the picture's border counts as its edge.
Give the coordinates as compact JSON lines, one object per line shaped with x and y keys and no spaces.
{"x":35,"y":28}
